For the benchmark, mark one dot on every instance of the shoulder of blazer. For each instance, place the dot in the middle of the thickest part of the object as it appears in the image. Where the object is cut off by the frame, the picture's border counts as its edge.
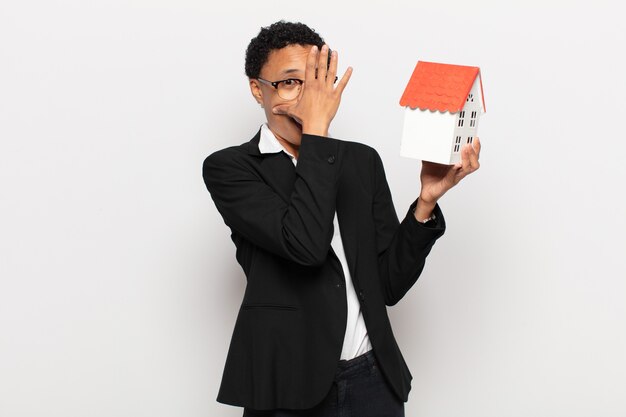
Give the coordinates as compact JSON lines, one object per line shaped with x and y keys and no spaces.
{"x":357,"y":146}
{"x":359,"y":150}
{"x":251,"y":148}
{"x":235,"y":153}
{"x":362,"y":153}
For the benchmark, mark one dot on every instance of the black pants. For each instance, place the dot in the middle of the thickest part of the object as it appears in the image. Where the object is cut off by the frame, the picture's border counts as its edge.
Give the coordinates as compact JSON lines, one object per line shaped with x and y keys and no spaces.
{"x":358,"y":390}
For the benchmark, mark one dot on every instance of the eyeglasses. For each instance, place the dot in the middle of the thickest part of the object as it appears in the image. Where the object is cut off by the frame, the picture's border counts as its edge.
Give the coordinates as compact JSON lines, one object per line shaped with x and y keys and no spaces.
{"x":287,"y":89}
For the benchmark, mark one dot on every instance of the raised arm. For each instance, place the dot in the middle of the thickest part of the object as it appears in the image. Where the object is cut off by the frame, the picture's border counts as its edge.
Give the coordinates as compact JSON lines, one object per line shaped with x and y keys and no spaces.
{"x":402,"y":247}
{"x":299,"y":229}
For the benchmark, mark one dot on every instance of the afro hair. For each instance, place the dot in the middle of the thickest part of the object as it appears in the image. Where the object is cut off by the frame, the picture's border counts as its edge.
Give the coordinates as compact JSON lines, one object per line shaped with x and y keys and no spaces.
{"x":277,"y":36}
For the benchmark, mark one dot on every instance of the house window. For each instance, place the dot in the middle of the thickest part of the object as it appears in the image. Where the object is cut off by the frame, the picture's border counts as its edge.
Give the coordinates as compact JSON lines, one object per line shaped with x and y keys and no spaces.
{"x":473,"y":119}
{"x":470,"y":97}
{"x":457,"y":144}
{"x":470,"y":139}
{"x":461,"y":116}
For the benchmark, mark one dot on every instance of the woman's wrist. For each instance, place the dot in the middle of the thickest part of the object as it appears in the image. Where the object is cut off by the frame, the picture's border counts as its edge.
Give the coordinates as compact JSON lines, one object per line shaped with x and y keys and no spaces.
{"x":424,"y":210}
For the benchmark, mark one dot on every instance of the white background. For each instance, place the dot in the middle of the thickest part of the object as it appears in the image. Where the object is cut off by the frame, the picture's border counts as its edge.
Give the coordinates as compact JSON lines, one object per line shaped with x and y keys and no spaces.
{"x":118,"y":282}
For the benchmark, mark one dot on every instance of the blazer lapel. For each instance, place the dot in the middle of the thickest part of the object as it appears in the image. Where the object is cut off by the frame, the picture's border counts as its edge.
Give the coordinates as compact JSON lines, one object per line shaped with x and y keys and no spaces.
{"x":279,"y":173}
{"x":276,"y":169}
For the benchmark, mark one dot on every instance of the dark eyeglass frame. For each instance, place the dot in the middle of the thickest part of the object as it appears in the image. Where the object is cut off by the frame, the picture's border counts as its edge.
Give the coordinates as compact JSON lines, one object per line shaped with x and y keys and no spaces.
{"x":275,"y":83}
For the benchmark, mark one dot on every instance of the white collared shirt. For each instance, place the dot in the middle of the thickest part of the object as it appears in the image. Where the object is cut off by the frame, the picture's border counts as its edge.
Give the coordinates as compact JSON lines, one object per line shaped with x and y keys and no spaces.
{"x":356,"y":341}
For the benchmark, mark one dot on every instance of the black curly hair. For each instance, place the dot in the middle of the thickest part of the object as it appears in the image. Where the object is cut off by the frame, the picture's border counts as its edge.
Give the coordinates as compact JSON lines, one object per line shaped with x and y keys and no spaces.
{"x":277,"y":36}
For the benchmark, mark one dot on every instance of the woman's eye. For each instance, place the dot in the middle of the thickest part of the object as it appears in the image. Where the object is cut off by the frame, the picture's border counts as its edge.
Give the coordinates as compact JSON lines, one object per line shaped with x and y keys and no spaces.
{"x":291,"y":82}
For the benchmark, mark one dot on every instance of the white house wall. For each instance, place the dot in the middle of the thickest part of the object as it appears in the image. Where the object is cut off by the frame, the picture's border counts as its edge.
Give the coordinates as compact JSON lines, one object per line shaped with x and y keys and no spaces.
{"x":427,"y":135}
{"x":465,"y":134}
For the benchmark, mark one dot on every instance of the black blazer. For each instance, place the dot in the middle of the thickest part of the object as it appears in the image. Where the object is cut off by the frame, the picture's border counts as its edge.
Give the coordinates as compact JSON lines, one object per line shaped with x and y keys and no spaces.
{"x":290,"y":328}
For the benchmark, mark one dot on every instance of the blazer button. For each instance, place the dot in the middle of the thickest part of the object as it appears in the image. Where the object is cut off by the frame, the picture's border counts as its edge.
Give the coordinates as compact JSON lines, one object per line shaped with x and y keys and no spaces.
{"x":361,"y":296}
{"x":331,"y":159}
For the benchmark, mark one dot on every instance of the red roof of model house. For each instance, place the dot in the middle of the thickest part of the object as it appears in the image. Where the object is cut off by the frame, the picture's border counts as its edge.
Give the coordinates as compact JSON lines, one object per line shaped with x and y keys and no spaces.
{"x":442,"y":87}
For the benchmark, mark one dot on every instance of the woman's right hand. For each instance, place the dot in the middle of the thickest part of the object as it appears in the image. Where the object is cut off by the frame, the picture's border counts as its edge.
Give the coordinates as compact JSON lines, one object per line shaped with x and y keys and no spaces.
{"x":319,"y":98}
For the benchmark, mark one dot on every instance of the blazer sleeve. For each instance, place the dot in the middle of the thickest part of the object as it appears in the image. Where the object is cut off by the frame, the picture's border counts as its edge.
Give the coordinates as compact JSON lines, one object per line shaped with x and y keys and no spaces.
{"x":402,"y":246}
{"x":299,"y":230}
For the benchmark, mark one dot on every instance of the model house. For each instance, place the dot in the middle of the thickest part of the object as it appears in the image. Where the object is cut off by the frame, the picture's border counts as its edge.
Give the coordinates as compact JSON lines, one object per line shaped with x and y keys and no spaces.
{"x":442,"y":103}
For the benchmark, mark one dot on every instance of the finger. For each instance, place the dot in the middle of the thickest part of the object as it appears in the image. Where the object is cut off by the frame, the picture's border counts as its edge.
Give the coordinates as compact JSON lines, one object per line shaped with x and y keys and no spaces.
{"x":322,"y":63}
{"x":344,"y":80}
{"x":461,"y":168}
{"x":477,"y":146}
{"x":470,"y":158}
{"x":332,"y":69}
{"x":309,"y":72}
{"x":473,"y":155}
{"x":281,"y":109}
{"x":286,"y":110}
{"x":299,"y":97}
{"x":464,"y":158}
{"x":453,"y":174}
